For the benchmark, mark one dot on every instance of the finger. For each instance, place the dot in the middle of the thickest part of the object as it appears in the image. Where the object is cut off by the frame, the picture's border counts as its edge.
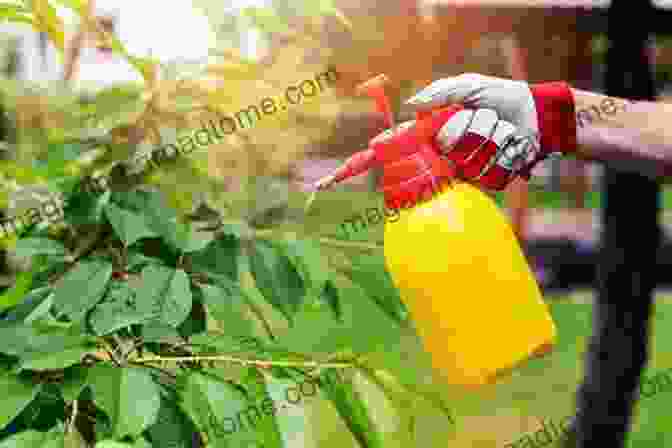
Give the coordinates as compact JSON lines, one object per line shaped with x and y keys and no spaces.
{"x":457,"y":89}
{"x":501,"y":138}
{"x":484,"y":124}
{"x":503,"y":133}
{"x":482,"y":157}
{"x":518,"y":148}
{"x":454,"y":129}
{"x":463,"y":141}
{"x":503,"y":166}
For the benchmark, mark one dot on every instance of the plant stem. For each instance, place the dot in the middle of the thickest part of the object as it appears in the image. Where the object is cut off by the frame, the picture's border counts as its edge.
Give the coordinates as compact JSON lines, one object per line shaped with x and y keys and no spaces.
{"x":254,"y":362}
{"x":268,"y":233}
{"x":73,"y":416}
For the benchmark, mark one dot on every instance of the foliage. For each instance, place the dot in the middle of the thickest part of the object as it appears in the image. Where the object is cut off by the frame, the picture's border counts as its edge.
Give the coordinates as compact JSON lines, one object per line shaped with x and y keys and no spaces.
{"x":155,"y":310}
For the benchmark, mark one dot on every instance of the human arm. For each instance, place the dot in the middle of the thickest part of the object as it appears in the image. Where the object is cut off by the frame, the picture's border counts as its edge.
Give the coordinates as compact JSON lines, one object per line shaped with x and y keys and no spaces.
{"x":561,"y":119}
{"x":633,"y":136}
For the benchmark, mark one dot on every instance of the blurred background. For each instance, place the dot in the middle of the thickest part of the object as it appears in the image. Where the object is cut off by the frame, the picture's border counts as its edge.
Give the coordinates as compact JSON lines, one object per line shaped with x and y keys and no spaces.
{"x":556,"y":216}
{"x":413,"y":42}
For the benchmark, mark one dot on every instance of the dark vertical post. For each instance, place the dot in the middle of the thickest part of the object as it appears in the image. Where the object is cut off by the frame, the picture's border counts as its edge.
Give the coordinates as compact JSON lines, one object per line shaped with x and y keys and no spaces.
{"x":618,"y":349}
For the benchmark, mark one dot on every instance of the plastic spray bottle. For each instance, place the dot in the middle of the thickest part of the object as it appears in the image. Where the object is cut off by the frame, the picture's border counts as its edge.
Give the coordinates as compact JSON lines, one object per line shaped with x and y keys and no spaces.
{"x":452,"y":254}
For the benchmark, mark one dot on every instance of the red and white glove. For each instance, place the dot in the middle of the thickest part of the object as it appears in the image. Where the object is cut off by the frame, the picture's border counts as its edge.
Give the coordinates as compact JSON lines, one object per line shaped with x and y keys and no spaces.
{"x":542,"y":115}
{"x":459,"y":138}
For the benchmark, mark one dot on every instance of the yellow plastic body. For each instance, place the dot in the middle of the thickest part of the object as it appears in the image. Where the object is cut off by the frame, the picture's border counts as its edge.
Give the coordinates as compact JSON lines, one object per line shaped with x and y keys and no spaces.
{"x":470,"y":291}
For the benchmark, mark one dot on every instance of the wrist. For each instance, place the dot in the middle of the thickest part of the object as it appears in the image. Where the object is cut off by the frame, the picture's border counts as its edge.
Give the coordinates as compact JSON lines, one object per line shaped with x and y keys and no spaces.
{"x":556,"y":116}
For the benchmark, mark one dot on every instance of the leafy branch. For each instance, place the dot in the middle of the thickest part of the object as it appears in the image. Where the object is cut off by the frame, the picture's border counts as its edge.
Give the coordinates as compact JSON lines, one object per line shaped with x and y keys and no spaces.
{"x":136,"y":325}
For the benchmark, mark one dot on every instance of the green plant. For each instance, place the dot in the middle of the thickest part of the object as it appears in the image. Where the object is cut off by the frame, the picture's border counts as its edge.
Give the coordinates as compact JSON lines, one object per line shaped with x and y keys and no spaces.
{"x":145,"y":319}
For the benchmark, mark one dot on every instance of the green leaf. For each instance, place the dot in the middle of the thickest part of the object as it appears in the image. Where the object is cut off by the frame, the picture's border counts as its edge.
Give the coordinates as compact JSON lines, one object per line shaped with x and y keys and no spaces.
{"x":138,"y":260}
{"x":15,"y":13}
{"x":265,"y":427}
{"x":39,"y":339}
{"x":142,"y":443}
{"x":196,"y":321}
{"x":81,"y":288}
{"x":18,"y":18}
{"x":86,"y":208}
{"x":52,"y":268}
{"x":118,"y":310}
{"x":165,"y":294}
{"x":129,"y":226}
{"x":32,"y":305}
{"x":139,"y":443}
{"x":404,"y":395}
{"x":129,"y":396}
{"x":136,"y":200}
{"x":18,"y":339}
{"x":57,"y":157}
{"x":25,"y":439}
{"x":158,"y":332}
{"x":277,"y":278}
{"x":16,"y":293}
{"x":308,"y":260}
{"x":212,"y":405}
{"x":172,"y":428}
{"x":16,"y":395}
{"x":227,"y":305}
{"x":74,"y":381}
{"x":23,"y":283}
{"x":161,"y":218}
{"x":178,"y":235}
{"x":195,"y":241}
{"x":54,"y":438}
{"x":44,"y":303}
{"x":6,"y":8}
{"x":372,"y":275}
{"x":28,"y":247}
{"x":218,"y":258}
{"x":55,"y":360}
{"x":46,"y":347}
{"x":330,"y":296}
{"x":352,"y":407}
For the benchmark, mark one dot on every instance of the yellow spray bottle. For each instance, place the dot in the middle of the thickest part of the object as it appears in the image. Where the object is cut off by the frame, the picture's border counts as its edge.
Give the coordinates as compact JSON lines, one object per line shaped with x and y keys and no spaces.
{"x":452,"y":254}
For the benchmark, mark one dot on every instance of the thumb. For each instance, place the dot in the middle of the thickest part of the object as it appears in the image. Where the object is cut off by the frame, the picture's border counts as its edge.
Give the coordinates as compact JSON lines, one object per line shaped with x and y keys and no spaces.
{"x":458,"y":89}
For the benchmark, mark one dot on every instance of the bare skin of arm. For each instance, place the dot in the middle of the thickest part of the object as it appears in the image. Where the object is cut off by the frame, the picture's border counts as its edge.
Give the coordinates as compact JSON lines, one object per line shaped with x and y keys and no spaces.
{"x":629,"y":135}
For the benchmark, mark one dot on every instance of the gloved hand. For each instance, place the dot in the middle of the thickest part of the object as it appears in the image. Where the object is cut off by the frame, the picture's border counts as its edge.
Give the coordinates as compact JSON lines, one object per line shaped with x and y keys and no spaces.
{"x":463,"y":139}
{"x":543,"y":116}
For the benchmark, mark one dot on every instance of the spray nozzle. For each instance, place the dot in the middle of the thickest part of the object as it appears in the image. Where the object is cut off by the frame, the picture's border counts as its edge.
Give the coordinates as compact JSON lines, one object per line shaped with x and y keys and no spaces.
{"x":375,"y":88}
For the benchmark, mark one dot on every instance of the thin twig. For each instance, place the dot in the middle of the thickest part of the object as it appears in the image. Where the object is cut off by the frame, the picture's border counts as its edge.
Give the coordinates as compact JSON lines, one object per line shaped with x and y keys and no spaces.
{"x":247,"y":362}
{"x":73,"y":416}
{"x":349,"y":244}
{"x":266,"y":233}
{"x":112,"y":353}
